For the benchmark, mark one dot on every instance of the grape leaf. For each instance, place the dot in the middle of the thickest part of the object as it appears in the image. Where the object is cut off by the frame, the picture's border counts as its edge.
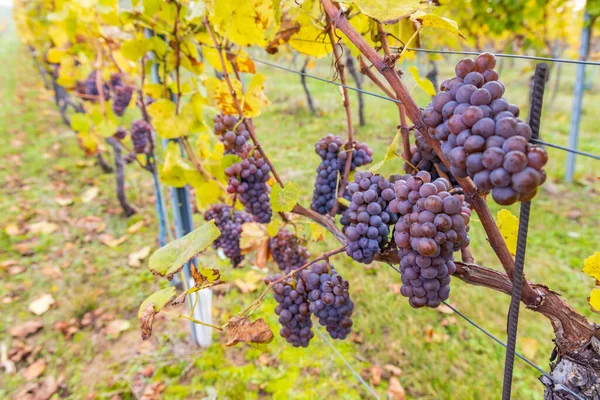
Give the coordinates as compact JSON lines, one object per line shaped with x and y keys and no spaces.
{"x":241,"y":329}
{"x":423,"y":83}
{"x":591,"y":266}
{"x":389,"y":154}
{"x":80,"y":122}
{"x":158,"y":300}
{"x":284,"y":199}
{"x":252,"y":102}
{"x":436,"y":21}
{"x":169,"y":259}
{"x":207,"y":193}
{"x":310,"y":39}
{"x":594,"y":300}
{"x":244,"y":22}
{"x":509,"y":228}
{"x":388,"y":10}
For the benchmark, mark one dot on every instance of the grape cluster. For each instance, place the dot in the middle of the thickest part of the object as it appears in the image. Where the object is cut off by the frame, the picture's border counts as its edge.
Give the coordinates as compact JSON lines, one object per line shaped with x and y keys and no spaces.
{"x":141,"y":135}
{"x":287,"y":251}
{"x":230,"y":223}
{"x":122,"y":94}
{"x":368,"y":216}
{"x":319,"y":290}
{"x":329,"y":172}
{"x":424,"y":159}
{"x":481,"y":133}
{"x":235,"y":141}
{"x":248,"y":179}
{"x":121,"y":133}
{"x":329,"y":299}
{"x":433,"y":224}
{"x":89,"y":90}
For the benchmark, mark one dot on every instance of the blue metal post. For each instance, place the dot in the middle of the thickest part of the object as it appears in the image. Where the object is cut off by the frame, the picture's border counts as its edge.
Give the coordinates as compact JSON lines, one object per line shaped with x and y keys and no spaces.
{"x":578,"y":96}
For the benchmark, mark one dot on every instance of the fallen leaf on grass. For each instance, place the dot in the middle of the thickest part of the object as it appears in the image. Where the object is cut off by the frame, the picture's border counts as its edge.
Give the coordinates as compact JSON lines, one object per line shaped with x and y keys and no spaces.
{"x":111,"y":241}
{"x":16,"y":269}
{"x":147,"y":371}
{"x":135,"y":259}
{"x":34,"y":370}
{"x":444,"y":309}
{"x":12,"y":230}
{"x":26,"y":329}
{"x":25,"y":248}
{"x":116,"y":327}
{"x":241,"y":329}
{"x":92,"y":224}
{"x":376,"y":375}
{"x":38,"y":391}
{"x":395,"y":390}
{"x":68,"y":329}
{"x":89,"y":194}
{"x":136,"y":227}
{"x":250,"y":283}
{"x":432,"y":336}
{"x":63,"y":201}
{"x":529,"y":347}
{"x":41,"y":304}
{"x":43,"y":227}
{"x":392,"y":369}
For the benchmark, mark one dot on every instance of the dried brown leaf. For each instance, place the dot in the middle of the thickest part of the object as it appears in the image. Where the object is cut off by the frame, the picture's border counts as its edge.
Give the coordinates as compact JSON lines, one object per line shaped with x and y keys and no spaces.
{"x":26,"y":329}
{"x":34,"y":370}
{"x":395,"y":390}
{"x":241,"y":329}
{"x":376,"y":375}
{"x":146,"y":320}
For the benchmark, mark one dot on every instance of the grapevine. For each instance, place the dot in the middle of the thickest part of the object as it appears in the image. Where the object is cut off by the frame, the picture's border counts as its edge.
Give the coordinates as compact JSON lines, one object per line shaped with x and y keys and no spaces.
{"x":230,"y":223}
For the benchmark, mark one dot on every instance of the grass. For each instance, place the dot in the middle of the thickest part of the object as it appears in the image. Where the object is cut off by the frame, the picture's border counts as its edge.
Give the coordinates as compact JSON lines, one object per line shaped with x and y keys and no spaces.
{"x":440,"y":355}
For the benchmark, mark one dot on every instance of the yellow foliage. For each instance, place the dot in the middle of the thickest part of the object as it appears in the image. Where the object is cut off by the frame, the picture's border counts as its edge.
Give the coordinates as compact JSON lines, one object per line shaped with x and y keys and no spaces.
{"x":243,"y":22}
{"x":591,"y":266}
{"x":509,"y":228}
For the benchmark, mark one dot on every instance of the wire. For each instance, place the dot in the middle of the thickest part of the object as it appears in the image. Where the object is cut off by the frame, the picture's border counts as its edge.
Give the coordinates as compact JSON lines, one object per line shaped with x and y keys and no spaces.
{"x":365,"y":384}
{"x":501,"y":343}
{"x":379,"y":96}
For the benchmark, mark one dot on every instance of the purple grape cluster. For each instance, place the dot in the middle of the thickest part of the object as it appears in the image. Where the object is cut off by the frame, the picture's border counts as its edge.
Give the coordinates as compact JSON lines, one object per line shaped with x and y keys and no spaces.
{"x":433,"y":224}
{"x":235,"y":141}
{"x":89,"y":90}
{"x":121,"y":133}
{"x":329,"y":172}
{"x":122,"y":94}
{"x":319,"y":290}
{"x":481,"y":134}
{"x":329,"y":299}
{"x":368,"y":216}
{"x":287,"y":251}
{"x":424,"y":159}
{"x":230,"y":223}
{"x":248,"y":179}
{"x":141,"y":135}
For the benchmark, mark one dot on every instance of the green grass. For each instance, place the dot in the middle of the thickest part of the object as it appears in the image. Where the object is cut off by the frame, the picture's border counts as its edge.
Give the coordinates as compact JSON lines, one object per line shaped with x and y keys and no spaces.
{"x":42,"y":160}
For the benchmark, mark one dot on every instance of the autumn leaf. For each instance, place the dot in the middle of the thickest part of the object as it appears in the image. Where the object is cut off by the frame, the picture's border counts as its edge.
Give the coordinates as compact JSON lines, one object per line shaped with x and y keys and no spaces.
{"x":424,"y":83}
{"x":42,"y":304}
{"x":594,"y":300}
{"x":34,"y":370}
{"x":90,"y":194}
{"x":135,"y":259}
{"x":244,"y":22}
{"x":395,"y":390}
{"x":287,"y":28}
{"x":508,"y":225}
{"x":26,"y":329}
{"x":284,"y":199}
{"x":311,"y":38}
{"x":253,"y":236}
{"x":388,"y":10}
{"x":435,"y":21}
{"x":116,"y":327}
{"x":591,"y":266}
{"x":43,"y":227}
{"x":241,"y":329}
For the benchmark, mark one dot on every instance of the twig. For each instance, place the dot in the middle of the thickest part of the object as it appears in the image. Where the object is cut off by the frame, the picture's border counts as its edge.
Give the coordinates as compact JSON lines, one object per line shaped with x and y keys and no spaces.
{"x":194,"y":320}
{"x":249,"y":123}
{"x":177,"y":57}
{"x":340,"y":67}
{"x":190,"y":152}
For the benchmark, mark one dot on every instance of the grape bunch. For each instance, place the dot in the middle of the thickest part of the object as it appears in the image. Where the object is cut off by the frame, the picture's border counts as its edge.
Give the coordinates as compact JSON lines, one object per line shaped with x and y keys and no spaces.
{"x":424,"y":159}
{"x":122,"y":94}
{"x":368,"y":216}
{"x":248,"y":179}
{"x":120,"y":133}
{"x":329,"y":172}
{"x":481,"y":134}
{"x":89,"y":90}
{"x":319,"y":290}
{"x":433,"y":225}
{"x":293,"y":310}
{"x":287,"y":251}
{"x":141,"y":135}
{"x":329,"y":299}
{"x":235,"y":141}
{"x":230,"y":223}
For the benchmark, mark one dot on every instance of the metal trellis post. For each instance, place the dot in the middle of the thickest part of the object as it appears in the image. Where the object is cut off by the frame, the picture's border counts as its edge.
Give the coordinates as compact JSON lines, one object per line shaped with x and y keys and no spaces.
{"x":535,"y":115}
{"x":578,"y":96}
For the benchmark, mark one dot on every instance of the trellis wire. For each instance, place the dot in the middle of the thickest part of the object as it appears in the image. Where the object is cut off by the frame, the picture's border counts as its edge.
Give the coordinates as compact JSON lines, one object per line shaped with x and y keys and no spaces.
{"x":341,"y":357}
{"x":379,"y":96}
{"x":501,"y":343}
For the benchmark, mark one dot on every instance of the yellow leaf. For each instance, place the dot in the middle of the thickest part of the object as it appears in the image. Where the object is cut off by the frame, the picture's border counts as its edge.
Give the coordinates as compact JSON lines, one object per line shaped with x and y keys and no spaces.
{"x":594,"y":300}
{"x":207,"y":193}
{"x":284,"y":199}
{"x":135,"y":259}
{"x":591,"y":266}
{"x":244,"y":22}
{"x":509,"y":228}
{"x":89,"y":194}
{"x":255,"y":99}
{"x":436,"y":21}
{"x":253,"y":236}
{"x":54,"y":55}
{"x":135,"y":49}
{"x":388,"y":10}
{"x":166,"y":123}
{"x":173,"y":171}
{"x":389,"y":154}
{"x":242,"y":62}
{"x":224,"y":99}
{"x":154,"y":90}
{"x":529,"y":347}
{"x":317,"y":232}
{"x":424,"y":83}
{"x":310,"y":38}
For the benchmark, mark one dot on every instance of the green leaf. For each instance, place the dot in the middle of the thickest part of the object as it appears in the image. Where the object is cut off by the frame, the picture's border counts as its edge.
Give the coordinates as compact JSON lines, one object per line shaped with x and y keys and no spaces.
{"x":389,"y":154}
{"x":135,"y":49}
{"x":80,"y":123}
{"x":284,"y":199}
{"x":424,"y":83}
{"x":169,"y":259}
{"x":158,"y":299}
{"x":106,"y":128}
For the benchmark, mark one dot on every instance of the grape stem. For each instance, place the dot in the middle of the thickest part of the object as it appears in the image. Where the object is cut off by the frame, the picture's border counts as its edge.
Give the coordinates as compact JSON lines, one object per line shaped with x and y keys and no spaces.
{"x":238,"y":106}
{"x":341,"y":70}
{"x":572,"y":329}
